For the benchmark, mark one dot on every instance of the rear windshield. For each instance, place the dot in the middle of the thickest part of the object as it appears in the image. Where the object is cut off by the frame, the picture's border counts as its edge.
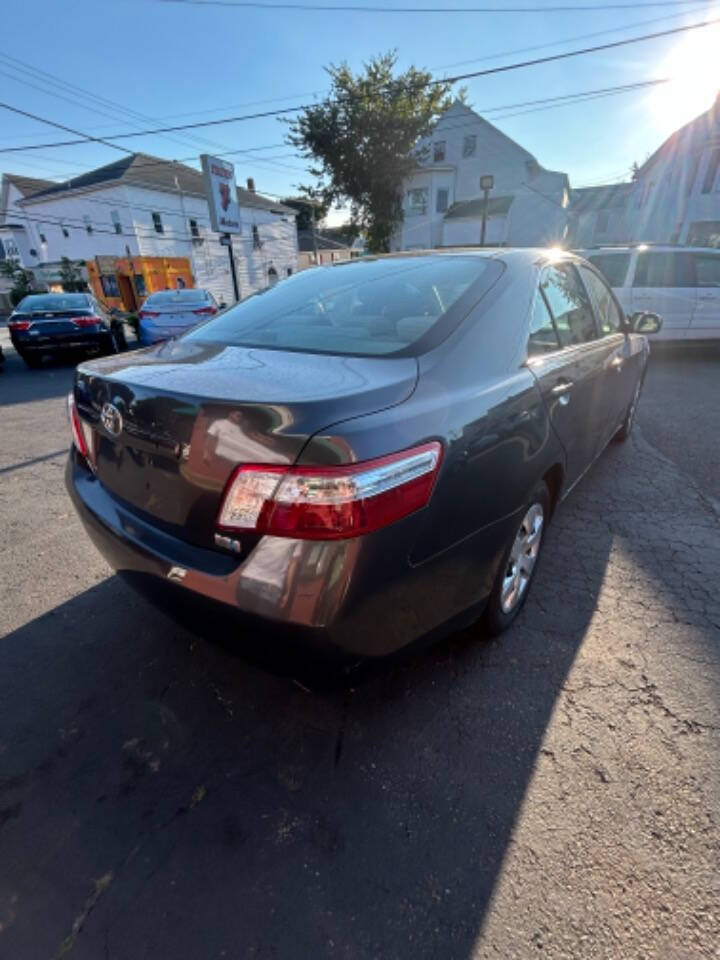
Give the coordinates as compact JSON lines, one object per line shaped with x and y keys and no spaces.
{"x":365,"y":308}
{"x":176,"y":296}
{"x":613,"y":266}
{"x":53,"y":301}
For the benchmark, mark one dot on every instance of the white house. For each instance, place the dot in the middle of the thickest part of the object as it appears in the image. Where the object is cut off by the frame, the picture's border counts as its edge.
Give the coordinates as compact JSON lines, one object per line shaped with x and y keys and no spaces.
{"x":676,"y":196}
{"x":598,"y":215}
{"x":16,"y":234}
{"x":443,"y":201}
{"x":143,"y":206}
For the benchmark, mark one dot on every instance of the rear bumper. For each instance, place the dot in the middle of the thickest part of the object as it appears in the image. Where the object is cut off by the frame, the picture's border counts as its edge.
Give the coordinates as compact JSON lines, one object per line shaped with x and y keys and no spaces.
{"x":91,"y":341}
{"x":149,"y":334}
{"x":350,"y":599}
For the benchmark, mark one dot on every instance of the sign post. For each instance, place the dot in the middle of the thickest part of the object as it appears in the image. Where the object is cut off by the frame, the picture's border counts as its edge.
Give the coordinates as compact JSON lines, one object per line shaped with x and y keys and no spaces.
{"x":486,"y":184}
{"x":222,"y":201}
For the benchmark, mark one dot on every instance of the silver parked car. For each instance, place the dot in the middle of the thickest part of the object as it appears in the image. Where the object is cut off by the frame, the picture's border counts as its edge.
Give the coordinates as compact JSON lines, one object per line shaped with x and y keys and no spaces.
{"x":169,"y":313}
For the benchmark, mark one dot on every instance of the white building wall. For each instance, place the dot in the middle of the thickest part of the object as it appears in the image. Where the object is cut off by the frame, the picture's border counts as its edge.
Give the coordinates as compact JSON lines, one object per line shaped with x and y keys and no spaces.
{"x":135,"y":205}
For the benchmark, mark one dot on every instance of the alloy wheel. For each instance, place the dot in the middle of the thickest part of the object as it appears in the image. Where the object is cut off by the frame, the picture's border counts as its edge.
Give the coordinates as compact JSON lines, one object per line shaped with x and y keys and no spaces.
{"x":522,"y":559}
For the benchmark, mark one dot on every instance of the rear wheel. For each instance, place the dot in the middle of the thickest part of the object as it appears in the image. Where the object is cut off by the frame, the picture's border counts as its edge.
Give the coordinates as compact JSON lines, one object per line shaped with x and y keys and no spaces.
{"x":519,"y":564}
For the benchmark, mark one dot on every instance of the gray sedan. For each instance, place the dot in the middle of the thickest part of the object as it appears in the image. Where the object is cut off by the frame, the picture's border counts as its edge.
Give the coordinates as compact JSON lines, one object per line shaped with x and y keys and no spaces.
{"x":364,"y":455}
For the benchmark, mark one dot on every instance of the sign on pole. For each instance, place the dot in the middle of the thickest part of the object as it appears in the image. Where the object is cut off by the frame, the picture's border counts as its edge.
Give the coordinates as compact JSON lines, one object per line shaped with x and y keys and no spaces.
{"x":221,"y":194}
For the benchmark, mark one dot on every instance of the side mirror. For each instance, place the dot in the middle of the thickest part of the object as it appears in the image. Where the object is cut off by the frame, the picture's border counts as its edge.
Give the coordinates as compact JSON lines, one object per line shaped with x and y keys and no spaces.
{"x":643,"y":322}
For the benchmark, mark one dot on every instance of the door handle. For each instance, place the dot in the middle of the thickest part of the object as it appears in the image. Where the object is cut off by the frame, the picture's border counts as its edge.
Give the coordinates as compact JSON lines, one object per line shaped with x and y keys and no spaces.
{"x":561,"y":390}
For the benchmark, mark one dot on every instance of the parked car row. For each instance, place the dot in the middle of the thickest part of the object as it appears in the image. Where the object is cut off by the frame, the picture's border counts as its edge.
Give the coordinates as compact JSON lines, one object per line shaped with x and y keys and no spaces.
{"x":50,"y":324}
{"x":680,"y":283}
{"x":364,"y":454}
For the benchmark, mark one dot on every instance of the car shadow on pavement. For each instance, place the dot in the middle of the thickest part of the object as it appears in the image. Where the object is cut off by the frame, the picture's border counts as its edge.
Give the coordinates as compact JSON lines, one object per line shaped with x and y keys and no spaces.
{"x":20,"y":385}
{"x":161,"y":797}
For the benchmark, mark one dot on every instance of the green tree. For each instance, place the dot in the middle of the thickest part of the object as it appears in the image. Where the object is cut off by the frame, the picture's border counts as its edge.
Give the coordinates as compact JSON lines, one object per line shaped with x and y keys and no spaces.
{"x":70,"y":274}
{"x":361,"y":139}
{"x":20,"y":280}
{"x":304,"y":207}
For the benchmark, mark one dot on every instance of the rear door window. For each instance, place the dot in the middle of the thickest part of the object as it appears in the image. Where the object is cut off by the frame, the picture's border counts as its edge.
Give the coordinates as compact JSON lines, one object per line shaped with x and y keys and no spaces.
{"x":707,"y":268}
{"x":657,"y":268}
{"x":569,"y":305}
{"x":543,"y":336}
{"x":608,"y":314}
{"x":613,"y":266}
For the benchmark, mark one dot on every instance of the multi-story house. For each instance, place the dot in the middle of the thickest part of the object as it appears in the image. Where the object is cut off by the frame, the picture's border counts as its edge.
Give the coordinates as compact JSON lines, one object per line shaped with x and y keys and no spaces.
{"x":676,"y":194}
{"x":443,"y":201}
{"x":143,"y":207}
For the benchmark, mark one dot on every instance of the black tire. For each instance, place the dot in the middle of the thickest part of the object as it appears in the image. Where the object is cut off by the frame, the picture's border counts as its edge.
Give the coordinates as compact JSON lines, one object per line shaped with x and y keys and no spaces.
{"x":624,"y":431}
{"x":497,"y":617}
{"x":32,"y":360}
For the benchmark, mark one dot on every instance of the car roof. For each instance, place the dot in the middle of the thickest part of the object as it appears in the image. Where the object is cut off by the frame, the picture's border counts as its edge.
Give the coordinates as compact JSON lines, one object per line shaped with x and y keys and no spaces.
{"x":642,"y":247}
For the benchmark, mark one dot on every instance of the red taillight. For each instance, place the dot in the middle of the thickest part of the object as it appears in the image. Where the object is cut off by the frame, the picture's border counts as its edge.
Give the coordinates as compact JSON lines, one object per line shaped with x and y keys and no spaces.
{"x":148,"y":313}
{"x":205,"y":311}
{"x":76,"y":427}
{"x":330,"y":503}
{"x":86,"y":321}
{"x":19,"y":324}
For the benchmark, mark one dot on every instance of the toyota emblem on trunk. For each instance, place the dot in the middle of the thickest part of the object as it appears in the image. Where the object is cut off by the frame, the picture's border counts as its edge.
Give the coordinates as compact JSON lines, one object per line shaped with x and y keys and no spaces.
{"x":111,"y":419}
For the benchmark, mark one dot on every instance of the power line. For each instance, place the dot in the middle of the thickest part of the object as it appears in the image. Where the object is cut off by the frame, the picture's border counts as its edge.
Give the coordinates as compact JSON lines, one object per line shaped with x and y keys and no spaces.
{"x":432,"y":82}
{"x":336,"y":8}
{"x":60,"y":126}
{"x":544,"y":103}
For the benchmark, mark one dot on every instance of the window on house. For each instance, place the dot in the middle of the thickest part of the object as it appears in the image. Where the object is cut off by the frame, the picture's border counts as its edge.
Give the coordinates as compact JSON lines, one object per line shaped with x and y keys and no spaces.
{"x":417,"y":201}
{"x":704,"y":233}
{"x":115,"y":217}
{"x":88,"y":225}
{"x":711,"y":172}
{"x":441,"y":200}
{"x":257,"y":242}
{"x":109,"y":285}
{"x":140,"y":285}
{"x":289,"y":271}
{"x":470,"y":145}
{"x":157,"y":223}
{"x":194,"y":229}
{"x":438,"y":151}
{"x":272,"y":276}
{"x":601,"y":224}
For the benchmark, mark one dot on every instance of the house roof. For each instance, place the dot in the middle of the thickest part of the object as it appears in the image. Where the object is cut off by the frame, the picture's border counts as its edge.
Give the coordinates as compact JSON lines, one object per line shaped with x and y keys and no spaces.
{"x":614,"y":196}
{"x":27,"y":185}
{"x":142,"y":169}
{"x":305,"y":242}
{"x":497,"y":207}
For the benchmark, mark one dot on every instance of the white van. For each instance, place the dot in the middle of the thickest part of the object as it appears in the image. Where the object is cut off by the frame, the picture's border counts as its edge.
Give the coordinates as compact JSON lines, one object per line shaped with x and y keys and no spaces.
{"x":681,"y":284}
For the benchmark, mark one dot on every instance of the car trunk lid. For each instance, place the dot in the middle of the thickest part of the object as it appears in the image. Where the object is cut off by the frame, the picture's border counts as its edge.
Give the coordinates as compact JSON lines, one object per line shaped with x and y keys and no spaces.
{"x":190,"y":413}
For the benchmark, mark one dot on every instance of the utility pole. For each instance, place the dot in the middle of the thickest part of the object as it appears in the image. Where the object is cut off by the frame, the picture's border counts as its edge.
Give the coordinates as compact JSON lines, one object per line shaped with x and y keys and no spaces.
{"x":226,"y":241}
{"x":486,"y":184}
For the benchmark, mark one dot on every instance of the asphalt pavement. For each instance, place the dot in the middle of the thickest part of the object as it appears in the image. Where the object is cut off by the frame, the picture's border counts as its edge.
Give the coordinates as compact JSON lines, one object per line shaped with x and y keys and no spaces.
{"x":554,"y":793}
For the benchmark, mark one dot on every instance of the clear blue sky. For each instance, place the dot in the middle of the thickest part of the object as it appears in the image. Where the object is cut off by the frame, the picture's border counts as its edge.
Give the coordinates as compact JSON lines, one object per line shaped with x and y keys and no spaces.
{"x":176,"y":62}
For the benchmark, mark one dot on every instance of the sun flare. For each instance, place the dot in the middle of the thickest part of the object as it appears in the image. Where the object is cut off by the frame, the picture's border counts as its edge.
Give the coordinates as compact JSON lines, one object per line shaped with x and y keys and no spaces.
{"x":693,"y":66}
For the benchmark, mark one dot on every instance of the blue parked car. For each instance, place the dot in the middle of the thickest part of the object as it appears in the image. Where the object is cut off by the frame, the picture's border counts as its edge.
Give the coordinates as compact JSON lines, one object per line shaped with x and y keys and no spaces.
{"x":170,"y":312}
